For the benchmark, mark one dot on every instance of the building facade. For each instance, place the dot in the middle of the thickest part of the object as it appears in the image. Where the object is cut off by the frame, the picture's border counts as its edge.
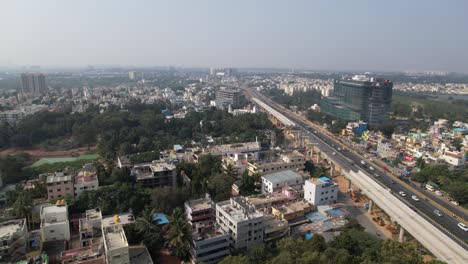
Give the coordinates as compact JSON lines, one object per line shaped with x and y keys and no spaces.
{"x":59,"y":185}
{"x":275,"y":182}
{"x":33,"y":83}
{"x":320,"y":191}
{"x":360,"y":98}
{"x":155,"y":174}
{"x":54,"y":222}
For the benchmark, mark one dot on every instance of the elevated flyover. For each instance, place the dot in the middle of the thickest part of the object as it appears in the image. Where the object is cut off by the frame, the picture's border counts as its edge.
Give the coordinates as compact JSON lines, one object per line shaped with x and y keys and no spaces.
{"x":277,"y":115}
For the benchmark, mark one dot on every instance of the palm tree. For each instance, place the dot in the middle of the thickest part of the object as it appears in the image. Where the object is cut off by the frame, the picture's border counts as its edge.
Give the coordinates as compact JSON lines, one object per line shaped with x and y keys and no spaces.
{"x":144,"y":224}
{"x":179,"y":234}
{"x":230,"y":171}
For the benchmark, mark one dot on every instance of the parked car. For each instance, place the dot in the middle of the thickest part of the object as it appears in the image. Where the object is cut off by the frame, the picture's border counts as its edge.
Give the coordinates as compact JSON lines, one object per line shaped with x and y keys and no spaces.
{"x":438,"y":213}
{"x":463,"y":226}
{"x":438,"y":193}
{"x":414,"y":197}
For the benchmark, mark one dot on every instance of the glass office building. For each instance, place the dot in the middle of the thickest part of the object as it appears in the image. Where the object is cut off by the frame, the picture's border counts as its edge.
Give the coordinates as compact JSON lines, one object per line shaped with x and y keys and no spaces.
{"x":360,"y":98}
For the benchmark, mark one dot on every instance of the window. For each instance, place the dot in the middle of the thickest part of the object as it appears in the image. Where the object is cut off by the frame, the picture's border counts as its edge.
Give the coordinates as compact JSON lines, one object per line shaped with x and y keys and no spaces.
{"x":58,"y":190}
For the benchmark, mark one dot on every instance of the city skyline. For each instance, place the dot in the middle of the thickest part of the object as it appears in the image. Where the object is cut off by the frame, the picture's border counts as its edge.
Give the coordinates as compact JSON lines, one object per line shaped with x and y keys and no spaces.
{"x":323,"y":35}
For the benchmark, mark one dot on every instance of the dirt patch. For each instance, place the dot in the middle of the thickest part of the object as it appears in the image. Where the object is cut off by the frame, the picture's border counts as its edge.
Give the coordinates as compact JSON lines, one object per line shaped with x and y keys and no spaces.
{"x":40,"y":153}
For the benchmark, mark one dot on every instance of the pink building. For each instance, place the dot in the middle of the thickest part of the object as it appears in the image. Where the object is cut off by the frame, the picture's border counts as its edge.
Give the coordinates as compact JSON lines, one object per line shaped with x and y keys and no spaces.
{"x":59,"y":185}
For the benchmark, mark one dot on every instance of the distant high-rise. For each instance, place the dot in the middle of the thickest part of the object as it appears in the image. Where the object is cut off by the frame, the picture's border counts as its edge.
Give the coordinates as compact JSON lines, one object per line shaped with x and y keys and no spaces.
{"x":33,"y":83}
{"x":132,"y":75}
{"x":360,"y":98}
{"x":221,"y":72}
{"x":228,"y":96}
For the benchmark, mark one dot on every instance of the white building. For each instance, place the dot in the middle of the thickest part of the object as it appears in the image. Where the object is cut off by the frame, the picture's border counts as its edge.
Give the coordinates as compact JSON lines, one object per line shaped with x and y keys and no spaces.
{"x":274,"y":182}
{"x":243,"y":223}
{"x":384,"y":148}
{"x":210,"y":244}
{"x":454,"y":159}
{"x":13,"y":240}
{"x":54,"y":222}
{"x":320,"y":191}
{"x":115,"y":243}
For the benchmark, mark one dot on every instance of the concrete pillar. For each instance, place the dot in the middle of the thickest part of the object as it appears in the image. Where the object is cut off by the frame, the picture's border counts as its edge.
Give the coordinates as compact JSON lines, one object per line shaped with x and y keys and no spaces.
{"x":349,"y":184}
{"x":371,"y":204}
{"x":331,"y":170}
{"x":318,"y":157}
{"x":401,"y":237}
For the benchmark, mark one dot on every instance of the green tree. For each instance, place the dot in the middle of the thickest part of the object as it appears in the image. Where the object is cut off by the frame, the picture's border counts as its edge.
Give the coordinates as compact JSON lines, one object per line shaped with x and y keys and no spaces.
{"x":22,"y":206}
{"x":179,"y":234}
{"x":235,"y":260}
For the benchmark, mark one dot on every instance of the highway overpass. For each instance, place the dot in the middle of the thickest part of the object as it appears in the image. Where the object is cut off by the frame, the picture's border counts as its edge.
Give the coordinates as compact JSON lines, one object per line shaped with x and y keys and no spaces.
{"x":423,"y":225}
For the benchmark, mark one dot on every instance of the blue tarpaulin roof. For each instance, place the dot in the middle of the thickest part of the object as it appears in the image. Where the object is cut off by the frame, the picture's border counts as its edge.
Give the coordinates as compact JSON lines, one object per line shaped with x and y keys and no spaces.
{"x":160,"y":219}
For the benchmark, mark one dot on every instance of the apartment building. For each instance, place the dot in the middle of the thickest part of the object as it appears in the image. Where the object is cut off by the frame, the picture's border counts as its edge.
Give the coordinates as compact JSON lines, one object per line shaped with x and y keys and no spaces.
{"x":59,"y":185}
{"x":246,"y":150}
{"x":115,"y":243}
{"x":274,"y":182}
{"x":292,"y":211}
{"x":287,"y":161}
{"x":320,"y":191}
{"x":155,"y":174}
{"x":241,"y":221}
{"x":13,"y":240}
{"x":85,"y":180}
{"x":54,"y":222}
{"x":90,"y":226}
{"x":200,"y":211}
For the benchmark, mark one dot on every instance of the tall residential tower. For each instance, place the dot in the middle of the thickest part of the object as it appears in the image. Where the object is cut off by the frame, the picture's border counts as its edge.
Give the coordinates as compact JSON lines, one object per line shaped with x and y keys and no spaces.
{"x":33,"y":83}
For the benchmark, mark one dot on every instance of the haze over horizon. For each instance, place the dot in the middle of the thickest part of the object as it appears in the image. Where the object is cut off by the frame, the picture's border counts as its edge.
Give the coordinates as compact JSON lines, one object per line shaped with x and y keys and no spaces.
{"x":320,"y":35}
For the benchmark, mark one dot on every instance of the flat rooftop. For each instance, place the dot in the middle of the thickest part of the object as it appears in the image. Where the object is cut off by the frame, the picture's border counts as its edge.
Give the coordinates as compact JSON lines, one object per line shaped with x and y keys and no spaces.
{"x":239,"y":212}
{"x":56,"y":178}
{"x":293,"y":207}
{"x":124,"y":219}
{"x":267,"y":198}
{"x":115,"y":239}
{"x":282,"y":176}
{"x":86,"y":177}
{"x":199,"y":204}
{"x":8,"y":228}
{"x":235,"y":148}
{"x":54,"y":209}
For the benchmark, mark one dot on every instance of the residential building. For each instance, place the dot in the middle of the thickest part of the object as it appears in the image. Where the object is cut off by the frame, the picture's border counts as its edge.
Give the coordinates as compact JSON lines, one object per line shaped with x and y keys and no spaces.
{"x":85,"y":180}
{"x":54,"y":222}
{"x":241,"y":221}
{"x":210,"y":244}
{"x":115,"y":243}
{"x":320,"y":191}
{"x":360,"y":98}
{"x":59,"y":185}
{"x":287,"y":161}
{"x":155,"y":174}
{"x":33,"y":83}
{"x":13,"y":240}
{"x":274,"y":182}
{"x":132,"y":75}
{"x":200,"y":211}
{"x":356,"y":128}
{"x":274,"y":228}
{"x":384,"y":149}
{"x":454,"y":159}
{"x":90,"y":226}
{"x":246,"y":150}
{"x":292,"y":211}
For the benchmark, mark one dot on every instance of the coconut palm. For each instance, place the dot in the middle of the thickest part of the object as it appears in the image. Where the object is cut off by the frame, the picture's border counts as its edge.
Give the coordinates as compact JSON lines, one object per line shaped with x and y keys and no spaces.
{"x":179,"y":234}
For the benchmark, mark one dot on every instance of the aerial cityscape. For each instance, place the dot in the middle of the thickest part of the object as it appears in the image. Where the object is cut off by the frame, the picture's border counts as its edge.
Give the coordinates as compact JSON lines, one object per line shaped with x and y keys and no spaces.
{"x":141,"y":132}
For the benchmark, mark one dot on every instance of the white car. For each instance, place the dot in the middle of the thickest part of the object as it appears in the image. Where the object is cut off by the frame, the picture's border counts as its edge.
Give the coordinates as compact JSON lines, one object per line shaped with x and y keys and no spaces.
{"x":334,"y":153}
{"x":371,"y":159}
{"x":402,"y":193}
{"x":454,"y":202}
{"x":438,"y":193}
{"x":438,"y":213}
{"x":376,"y":174}
{"x":363,"y":162}
{"x":414,"y":197}
{"x":371,"y":168}
{"x":463,"y":226}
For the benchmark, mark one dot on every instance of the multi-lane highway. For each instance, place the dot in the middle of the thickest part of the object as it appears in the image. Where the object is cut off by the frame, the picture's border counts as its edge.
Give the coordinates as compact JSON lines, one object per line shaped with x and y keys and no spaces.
{"x":351,"y":161}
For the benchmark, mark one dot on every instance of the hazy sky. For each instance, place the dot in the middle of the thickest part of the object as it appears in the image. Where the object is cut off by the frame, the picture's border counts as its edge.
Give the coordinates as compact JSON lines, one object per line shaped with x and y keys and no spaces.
{"x":322,"y":35}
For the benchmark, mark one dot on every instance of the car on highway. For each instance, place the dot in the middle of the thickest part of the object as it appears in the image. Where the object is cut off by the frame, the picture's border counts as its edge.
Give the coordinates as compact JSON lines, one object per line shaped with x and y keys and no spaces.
{"x":402,"y":193}
{"x":392,"y":181}
{"x":334,"y":153}
{"x":363,"y":162}
{"x":414,"y":197}
{"x":454,"y":202}
{"x":376,"y":174}
{"x":438,"y":193}
{"x":463,"y":226}
{"x":339,"y":149}
{"x":371,"y":159}
{"x":438,"y":213}
{"x":371,"y":168}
